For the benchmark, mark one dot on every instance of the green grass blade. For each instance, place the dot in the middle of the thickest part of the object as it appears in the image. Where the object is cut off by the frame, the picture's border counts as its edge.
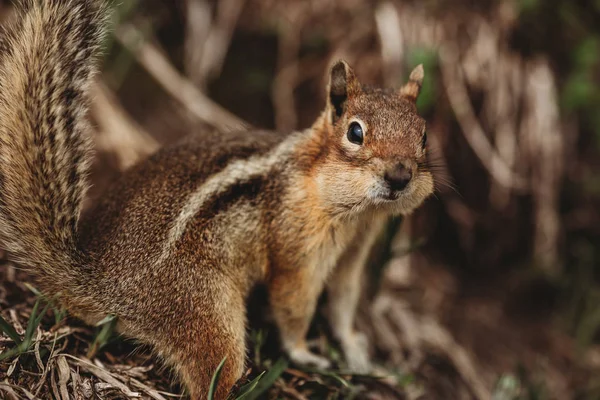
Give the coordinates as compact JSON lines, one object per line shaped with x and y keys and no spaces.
{"x":10,"y":353}
{"x":329,"y":374}
{"x":215,"y":380}
{"x":31,"y":325}
{"x":38,"y":319}
{"x":108,"y":327}
{"x":337,"y":378}
{"x":23,"y":345}
{"x":267,"y":380}
{"x":59,"y":314}
{"x":33,"y":290}
{"x":31,"y":322}
{"x":106,"y":320}
{"x":10,"y":331}
{"x":34,"y":320}
{"x":249,"y":387}
{"x":258,"y":338}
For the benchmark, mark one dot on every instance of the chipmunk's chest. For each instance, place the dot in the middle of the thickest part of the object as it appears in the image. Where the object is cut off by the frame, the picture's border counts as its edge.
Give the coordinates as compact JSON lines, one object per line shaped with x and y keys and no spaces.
{"x":308,"y":236}
{"x":324,"y":248}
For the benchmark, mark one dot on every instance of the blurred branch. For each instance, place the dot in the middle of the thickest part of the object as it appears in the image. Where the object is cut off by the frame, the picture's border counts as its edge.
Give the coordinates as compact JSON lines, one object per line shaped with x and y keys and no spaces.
{"x":505,"y":99}
{"x":542,"y":131}
{"x":198,"y":24}
{"x":219,"y":36}
{"x":461,"y":104}
{"x":422,"y":335}
{"x":390,"y":39}
{"x":207,"y":39}
{"x":174,"y":83}
{"x":286,"y":80}
{"x":117,"y":132}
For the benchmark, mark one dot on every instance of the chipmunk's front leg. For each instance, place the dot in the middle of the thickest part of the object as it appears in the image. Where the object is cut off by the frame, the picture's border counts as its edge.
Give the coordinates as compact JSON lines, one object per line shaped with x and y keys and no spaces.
{"x":293,"y":296}
{"x":344,"y":288}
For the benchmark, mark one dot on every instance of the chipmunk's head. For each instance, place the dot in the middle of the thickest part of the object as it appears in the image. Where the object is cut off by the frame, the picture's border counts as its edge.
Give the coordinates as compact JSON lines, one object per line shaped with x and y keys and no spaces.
{"x":376,"y":144}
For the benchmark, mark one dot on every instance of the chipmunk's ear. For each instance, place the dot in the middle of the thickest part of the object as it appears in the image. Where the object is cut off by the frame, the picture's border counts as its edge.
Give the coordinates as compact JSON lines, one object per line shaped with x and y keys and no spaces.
{"x":412,"y":88}
{"x":342,"y":86}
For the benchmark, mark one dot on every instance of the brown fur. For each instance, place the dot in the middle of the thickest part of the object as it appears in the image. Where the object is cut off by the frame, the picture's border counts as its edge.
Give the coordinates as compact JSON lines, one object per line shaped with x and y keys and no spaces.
{"x":47,"y":63}
{"x":175,"y":246}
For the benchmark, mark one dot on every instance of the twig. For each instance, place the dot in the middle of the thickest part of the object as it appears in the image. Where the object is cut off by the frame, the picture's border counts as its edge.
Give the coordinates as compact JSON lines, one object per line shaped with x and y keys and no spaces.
{"x":425,"y":333}
{"x":46,"y":368}
{"x":286,"y":80}
{"x":64,"y":375}
{"x":219,"y":37}
{"x":472,"y":130}
{"x":198,"y":26}
{"x":103,"y":375}
{"x":542,"y":129}
{"x":118,"y":132}
{"x":390,"y":39}
{"x":176,"y":85}
{"x":438,"y":338}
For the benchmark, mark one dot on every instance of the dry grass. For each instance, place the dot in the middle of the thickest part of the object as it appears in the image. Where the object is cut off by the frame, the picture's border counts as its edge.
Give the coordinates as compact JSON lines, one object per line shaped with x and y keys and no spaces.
{"x":67,"y":359}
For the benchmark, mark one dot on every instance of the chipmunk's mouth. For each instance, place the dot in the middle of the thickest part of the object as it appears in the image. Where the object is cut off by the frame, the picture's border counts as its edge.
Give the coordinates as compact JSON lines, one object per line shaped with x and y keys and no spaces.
{"x":382,"y":197}
{"x":383,"y":193}
{"x":390,"y":196}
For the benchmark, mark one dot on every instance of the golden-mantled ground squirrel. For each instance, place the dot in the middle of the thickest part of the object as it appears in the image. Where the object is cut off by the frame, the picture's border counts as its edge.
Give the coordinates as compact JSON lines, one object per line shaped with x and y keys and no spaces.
{"x":175,"y":246}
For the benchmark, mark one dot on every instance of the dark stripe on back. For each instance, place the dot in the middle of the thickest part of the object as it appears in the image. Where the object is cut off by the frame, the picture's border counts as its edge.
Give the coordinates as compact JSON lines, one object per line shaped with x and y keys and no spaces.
{"x":248,"y":190}
{"x":199,"y":231}
{"x":159,"y":186}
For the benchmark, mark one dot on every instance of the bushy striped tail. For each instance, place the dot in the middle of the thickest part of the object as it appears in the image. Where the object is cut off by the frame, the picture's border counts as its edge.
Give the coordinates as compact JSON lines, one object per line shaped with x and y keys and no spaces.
{"x":47,"y":61}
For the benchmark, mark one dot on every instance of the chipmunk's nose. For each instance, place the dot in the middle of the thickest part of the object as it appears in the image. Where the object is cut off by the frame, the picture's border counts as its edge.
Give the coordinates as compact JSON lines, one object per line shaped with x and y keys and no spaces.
{"x":398,"y":177}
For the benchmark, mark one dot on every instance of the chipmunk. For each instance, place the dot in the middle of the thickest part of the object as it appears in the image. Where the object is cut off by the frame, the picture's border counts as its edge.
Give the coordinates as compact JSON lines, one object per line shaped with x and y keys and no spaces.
{"x":177,"y":243}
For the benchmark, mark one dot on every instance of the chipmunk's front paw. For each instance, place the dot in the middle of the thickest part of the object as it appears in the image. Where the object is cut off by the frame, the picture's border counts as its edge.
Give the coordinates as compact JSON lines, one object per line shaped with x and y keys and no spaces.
{"x":303,"y":356}
{"x":356,"y":350}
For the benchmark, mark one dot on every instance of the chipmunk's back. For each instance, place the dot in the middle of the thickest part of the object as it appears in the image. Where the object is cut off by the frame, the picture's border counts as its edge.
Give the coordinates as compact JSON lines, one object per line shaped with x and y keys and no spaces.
{"x":154,"y":221}
{"x":156,"y":189}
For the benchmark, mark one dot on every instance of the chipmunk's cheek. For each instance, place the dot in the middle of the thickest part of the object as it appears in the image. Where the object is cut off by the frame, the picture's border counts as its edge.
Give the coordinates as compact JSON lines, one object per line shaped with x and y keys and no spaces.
{"x":427,"y":185}
{"x":361,"y":185}
{"x":418,"y":190}
{"x":423,"y":186}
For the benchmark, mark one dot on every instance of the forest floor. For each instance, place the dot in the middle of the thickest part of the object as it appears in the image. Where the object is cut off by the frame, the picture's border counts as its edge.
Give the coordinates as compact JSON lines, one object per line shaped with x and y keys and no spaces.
{"x":484,"y":346}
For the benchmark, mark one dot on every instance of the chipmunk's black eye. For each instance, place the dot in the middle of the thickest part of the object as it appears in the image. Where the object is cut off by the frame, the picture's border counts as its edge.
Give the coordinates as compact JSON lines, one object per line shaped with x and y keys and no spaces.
{"x":424,"y":140}
{"x":355,"y":133}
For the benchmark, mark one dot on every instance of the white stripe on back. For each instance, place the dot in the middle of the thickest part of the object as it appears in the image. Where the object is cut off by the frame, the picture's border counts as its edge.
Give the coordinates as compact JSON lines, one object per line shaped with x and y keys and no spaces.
{"x":219,"y":183}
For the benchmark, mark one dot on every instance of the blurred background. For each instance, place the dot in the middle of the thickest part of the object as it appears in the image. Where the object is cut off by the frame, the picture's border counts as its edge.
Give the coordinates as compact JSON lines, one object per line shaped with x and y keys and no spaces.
{"x":491,"y":289}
